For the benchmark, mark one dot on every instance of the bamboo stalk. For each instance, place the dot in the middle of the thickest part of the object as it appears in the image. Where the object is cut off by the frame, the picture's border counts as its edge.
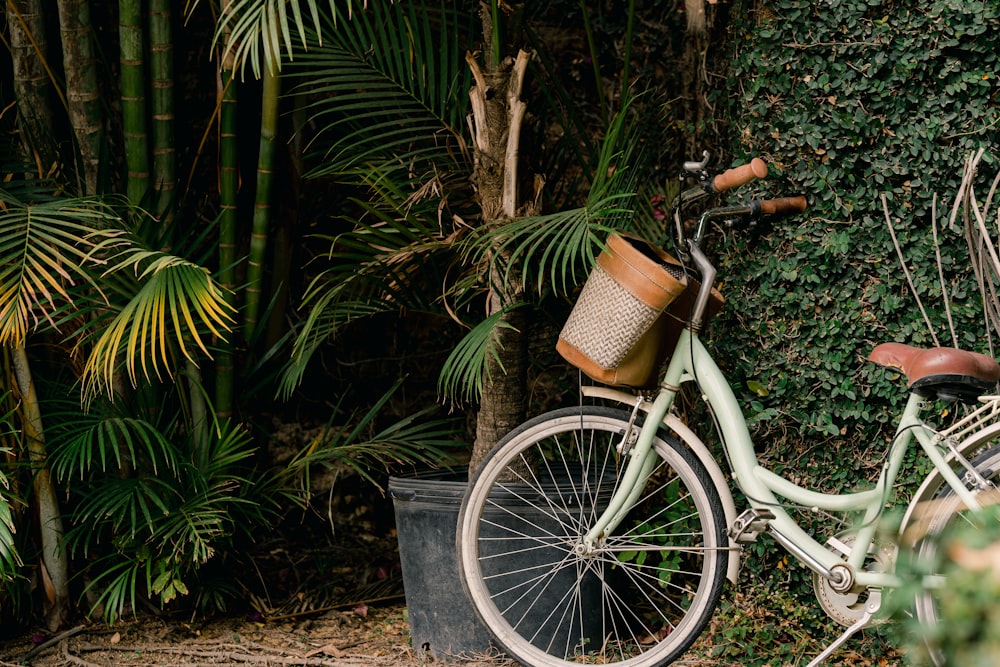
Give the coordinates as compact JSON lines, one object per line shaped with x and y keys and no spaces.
{"x":161,"y":66}
{"x":262,"y":203}
{"x":132,"y":47}
{"x":228,"y":193}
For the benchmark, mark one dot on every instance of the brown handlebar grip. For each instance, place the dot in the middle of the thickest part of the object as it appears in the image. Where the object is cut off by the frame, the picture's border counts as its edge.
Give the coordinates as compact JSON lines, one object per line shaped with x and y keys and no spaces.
{"x":783,"y":205}
{"x":737,"y":176}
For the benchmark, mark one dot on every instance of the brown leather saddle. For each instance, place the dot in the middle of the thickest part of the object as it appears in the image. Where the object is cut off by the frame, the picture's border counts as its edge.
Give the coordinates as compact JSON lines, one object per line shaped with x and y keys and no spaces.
{"x":942,"y":373}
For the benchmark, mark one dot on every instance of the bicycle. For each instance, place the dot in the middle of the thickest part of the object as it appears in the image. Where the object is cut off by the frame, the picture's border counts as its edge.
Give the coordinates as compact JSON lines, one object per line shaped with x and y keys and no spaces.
{"x":605,"y":535}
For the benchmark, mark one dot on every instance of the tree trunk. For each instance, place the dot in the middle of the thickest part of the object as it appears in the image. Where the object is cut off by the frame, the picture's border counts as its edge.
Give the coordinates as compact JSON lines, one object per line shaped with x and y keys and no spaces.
{"x":54,"y":560}
{"x":82,"y":93}
{"x":498,"y":117}
{"x":32,"y":86}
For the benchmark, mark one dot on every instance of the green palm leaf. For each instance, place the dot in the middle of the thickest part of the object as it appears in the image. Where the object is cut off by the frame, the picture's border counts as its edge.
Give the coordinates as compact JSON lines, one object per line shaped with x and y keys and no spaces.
{"x":558,"y":249}
{"x":122,"y":508}
{"x":10,"y":558}
{"x":465,"y":369}
{"x":258,"y":31}
{"x":96,"y":440}
{"x":408,"y":441}
{"x":391,"y":92}
{"x":385,"y":263}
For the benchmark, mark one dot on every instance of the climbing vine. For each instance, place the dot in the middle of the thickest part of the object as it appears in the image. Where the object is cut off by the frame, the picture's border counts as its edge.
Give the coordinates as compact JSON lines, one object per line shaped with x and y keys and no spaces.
{"x":870,"y":108}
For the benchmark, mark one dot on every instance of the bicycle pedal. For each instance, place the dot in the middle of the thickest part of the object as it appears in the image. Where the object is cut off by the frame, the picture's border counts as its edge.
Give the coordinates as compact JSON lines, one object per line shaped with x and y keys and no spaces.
{"x":749,"y":525}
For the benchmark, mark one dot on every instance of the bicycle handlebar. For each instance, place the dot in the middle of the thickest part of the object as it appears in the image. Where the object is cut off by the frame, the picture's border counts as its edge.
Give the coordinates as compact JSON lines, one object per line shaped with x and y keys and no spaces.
{"x":783,"y":205}
{"x":737,"y":176}
{"x":734,"y":216}
{"x":753,"y":210}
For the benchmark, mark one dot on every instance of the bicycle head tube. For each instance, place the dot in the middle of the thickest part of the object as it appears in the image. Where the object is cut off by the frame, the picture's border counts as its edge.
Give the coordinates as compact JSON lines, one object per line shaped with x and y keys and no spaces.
{"x":708,"y":273}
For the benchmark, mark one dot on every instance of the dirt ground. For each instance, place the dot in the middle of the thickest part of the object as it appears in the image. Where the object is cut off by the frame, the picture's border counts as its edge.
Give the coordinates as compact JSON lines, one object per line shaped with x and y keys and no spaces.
{"x":374,"y":635}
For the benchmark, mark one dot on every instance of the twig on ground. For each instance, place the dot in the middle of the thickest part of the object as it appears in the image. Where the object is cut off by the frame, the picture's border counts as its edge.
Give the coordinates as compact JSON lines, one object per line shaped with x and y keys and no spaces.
{"x":51,"y":642}
{"x":76,"y":660}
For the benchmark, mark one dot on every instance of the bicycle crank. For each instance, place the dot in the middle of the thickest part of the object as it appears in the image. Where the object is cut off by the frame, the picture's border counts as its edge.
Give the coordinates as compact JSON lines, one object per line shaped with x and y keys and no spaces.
{"x":848,"y":607}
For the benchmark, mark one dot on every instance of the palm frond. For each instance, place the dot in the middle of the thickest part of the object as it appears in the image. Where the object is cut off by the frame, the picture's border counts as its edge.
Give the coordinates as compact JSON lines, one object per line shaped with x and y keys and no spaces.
{"x":45,"y":249}
{"x":390,"y":91}
{"x":177,"y":308}
{"x":82,"y":442}
{"x":10,"y":557}
{"x":387,"y":262}
{"x":121,"y":508}
{"x":118,"y":581}
{"x":465,"y":369}
{"x":413,"y":440}
{"x":555,"y":251}
{"x":258,"y":32}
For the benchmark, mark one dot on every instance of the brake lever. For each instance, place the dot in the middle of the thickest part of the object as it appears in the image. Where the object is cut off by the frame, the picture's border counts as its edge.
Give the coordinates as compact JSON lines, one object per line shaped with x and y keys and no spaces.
{"x":698,"y":167}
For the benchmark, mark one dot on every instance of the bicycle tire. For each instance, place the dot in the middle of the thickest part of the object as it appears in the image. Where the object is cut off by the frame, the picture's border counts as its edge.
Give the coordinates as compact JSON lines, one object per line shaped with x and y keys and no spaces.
{"x":944,"y":513}
{"x":641,"y":598}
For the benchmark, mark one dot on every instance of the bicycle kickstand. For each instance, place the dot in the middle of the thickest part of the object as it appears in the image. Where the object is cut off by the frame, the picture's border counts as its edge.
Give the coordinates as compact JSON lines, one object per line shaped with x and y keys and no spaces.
{"x":871,"y":608}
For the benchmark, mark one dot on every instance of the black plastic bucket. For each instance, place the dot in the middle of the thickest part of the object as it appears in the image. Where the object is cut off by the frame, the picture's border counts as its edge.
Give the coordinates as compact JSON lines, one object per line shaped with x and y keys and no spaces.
{"x":442,"y":621}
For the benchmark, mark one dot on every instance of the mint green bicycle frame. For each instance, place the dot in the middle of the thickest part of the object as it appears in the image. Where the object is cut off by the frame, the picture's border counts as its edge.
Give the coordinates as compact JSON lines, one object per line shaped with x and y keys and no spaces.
{"x":692,"y":362}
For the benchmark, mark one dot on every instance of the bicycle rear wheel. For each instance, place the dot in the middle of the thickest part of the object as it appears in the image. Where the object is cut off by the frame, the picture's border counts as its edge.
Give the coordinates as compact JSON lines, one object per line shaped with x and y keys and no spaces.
{"x":946,"y":512}
{"x":640,"y":597}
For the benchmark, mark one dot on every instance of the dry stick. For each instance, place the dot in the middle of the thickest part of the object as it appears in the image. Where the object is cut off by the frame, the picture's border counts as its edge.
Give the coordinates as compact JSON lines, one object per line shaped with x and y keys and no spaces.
{"x":975,"y":243}
{"x":271,"y":657}
{"x":940,"y":268}
{"x":76,"y":660}
{"x":994,"y":314}
{"x":343,"y":605}
{"x":906,"y":271}
{"x":994,"y":259}
{"x":51,"y":642}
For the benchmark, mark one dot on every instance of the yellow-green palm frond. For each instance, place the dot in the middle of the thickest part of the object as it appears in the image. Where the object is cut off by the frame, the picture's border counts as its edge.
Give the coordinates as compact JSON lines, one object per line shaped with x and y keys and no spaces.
{"x":46,"y":249}
{"x":176,"y":312}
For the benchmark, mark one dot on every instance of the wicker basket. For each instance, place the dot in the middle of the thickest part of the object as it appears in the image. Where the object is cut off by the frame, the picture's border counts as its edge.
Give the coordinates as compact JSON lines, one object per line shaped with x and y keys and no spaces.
{"x":628,"y":316}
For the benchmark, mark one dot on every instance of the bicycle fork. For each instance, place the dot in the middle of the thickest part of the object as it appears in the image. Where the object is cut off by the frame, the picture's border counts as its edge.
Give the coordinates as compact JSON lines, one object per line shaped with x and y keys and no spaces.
{"x":637,"y":444}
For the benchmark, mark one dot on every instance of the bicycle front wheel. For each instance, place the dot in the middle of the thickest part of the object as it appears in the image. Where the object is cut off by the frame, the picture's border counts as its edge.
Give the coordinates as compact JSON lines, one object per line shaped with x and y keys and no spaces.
{"x":638,"y":597}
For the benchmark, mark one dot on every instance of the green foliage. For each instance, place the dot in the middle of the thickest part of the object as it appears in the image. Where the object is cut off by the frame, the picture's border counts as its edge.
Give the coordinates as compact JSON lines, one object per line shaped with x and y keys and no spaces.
{"x":358,"y":442}
{"x":964,"y":576}
{"x":172,"y":507}
{"x":392,"y":122}
{"x":850,"y":103}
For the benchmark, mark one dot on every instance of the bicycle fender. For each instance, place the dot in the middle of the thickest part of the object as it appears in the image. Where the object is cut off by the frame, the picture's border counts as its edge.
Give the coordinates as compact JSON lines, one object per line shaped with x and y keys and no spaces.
{"x":933,"y":482}
{"x":689,"y":438}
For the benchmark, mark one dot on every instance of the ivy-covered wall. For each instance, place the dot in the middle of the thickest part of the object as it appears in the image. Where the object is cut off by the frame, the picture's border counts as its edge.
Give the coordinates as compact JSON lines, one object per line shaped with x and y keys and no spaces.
{"x":850,"y":101}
